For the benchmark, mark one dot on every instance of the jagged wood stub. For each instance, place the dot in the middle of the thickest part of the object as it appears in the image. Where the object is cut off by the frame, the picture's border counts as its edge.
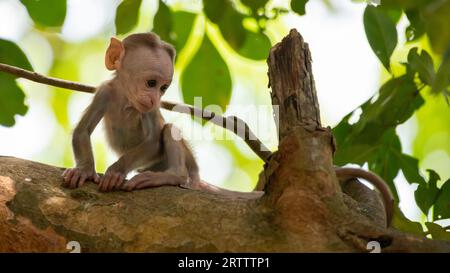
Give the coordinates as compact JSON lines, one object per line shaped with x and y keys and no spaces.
{"x":292,"y":82}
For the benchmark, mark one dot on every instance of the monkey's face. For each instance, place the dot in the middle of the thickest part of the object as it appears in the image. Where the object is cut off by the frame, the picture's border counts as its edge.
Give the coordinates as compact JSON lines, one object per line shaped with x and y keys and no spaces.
{"x":148,"y":74}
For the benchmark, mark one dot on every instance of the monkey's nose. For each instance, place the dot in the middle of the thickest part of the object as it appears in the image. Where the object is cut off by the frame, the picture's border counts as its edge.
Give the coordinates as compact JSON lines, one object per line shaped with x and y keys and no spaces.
{"x":149,"y":103}
{"x":146,"y":105}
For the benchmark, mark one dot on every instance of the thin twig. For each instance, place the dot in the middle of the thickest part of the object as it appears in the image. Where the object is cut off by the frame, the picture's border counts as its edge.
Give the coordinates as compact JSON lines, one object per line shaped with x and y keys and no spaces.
{"x":36,"y":77}
{"x":232,"y":123}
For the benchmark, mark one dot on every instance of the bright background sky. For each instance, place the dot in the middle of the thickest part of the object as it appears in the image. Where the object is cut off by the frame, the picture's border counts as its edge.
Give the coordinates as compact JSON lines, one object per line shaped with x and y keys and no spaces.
{"x":346,"y":73}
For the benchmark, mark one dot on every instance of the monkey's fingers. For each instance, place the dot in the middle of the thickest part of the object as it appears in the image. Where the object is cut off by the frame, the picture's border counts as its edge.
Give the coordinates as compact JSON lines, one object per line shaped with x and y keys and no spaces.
{"x":106,"y":186}
{"x":83,"y":178}
{"x":108,"y":181}
{"x":148,"y":184}
{"x":104,"y":180}
{"x":65,"y":172}
{"x":128,"y":186}
{"x":68,"y":173}
{"x":96,"y":178}
{"x":133,"y":182}
{"x":75,"y":178}
{"x":116,"y":179}
{"x":68,"y":178}
{"x":120,"y":183}
{"x":100,"y":183}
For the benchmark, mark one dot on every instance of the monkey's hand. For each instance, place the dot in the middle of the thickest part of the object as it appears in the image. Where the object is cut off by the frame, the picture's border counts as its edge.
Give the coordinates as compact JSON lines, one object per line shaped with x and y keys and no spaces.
{"x":112,"y":179}
{"x":75,"y":177}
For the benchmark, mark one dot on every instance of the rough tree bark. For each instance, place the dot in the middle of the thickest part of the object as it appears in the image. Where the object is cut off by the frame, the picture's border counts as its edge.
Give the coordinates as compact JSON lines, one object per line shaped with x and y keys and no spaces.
{"x":303,"y":209}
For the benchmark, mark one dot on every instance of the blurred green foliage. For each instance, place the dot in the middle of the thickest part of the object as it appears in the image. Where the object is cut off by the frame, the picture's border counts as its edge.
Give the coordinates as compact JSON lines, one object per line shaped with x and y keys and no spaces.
{"x":11,"y":95}
{"x":173,"y":27}
{"x":242,"y":26}
{"x":381,"y":33}
{"x":209,"y":68}
{"x":46,"y":13}
{"x":127,"y":15}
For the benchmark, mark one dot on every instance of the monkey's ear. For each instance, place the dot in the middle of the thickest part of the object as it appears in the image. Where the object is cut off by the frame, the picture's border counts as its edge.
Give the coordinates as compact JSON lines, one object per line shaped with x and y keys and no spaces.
{"x":114,"y":54}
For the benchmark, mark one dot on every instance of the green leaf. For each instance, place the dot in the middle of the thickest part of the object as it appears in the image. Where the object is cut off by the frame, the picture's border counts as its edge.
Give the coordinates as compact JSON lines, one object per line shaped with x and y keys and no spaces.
{"x":410,"y":167}
{"x":372,"y":138}
{"x":437,"y":232}
{"x":11,"y":54}
{"x":214,"y":9}
{"x":394,"y":13}
{"x":400,"y":222}
{"x":249,"y":44}
{"x":422,"y":64}
{"x":232,"y":28}
{"x":442,"y":80}
{"x":398,"y":99}
{"x":358,"y":154}
{"x":127,"y":15}
{"x":256,"y":46}
{"x":416,"y":27}
{"x":11,"y":96}
{"x":207,"y":76}
{"x":437,"y":22}
{"x":182,"y":27}
{"x":255,"y":5}
{"x":162,"y":22}
{"x":426,"y":193}
{"x":173,"y":27}
{"x":49,"y":13}
{"x":298,"y":6}
{"x":383,"y":160}
{"x":381,"y":34}
{"x":442,"y":204}
{"x":403,"y":4}
{"x":11,"y":100}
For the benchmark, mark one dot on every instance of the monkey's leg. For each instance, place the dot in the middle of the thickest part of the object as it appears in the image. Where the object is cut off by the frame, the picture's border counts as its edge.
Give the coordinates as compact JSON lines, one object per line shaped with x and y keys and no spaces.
{"x":178,"y":158}
{"x":143,"y":153}
{"x":150,"y":179}
{"x":175,"y":172}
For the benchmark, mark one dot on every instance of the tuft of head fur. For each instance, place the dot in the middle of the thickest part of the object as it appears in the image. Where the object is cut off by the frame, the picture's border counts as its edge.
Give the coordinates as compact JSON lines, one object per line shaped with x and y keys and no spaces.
{"x":148,"y":39}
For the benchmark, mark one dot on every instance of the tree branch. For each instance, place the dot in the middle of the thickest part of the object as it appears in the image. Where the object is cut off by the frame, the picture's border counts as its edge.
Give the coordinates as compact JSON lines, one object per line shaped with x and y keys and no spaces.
{"x":303,"y":208}
{"x":36,"y":77}
{"x":232,"y":123}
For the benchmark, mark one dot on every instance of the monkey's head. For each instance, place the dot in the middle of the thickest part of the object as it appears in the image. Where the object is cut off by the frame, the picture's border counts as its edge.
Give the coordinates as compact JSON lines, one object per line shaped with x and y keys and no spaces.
{"x":144,"y":68}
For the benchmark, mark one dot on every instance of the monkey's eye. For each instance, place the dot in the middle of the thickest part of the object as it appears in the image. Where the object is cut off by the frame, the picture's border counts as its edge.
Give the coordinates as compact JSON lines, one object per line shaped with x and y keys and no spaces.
{"x":164,"y":88}
{"x":151,"y":83}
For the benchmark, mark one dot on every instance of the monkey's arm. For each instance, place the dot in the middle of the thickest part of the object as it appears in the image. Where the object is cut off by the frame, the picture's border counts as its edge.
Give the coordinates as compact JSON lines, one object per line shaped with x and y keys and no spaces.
{"x":345,"y":174}
{"x":81,"y":142}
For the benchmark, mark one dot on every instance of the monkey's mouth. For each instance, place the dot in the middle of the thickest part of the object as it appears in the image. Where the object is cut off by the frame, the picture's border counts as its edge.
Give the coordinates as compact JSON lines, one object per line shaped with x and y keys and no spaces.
{"x":144,"y":107}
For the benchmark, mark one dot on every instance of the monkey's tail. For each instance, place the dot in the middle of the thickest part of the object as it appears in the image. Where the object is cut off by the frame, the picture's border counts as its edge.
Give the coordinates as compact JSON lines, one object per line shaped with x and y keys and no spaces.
{"x":376,"y":181}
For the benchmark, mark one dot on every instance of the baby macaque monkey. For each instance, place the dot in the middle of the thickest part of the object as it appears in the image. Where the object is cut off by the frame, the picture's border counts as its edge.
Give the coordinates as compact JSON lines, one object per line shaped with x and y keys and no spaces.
{"x":129,"y":104}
